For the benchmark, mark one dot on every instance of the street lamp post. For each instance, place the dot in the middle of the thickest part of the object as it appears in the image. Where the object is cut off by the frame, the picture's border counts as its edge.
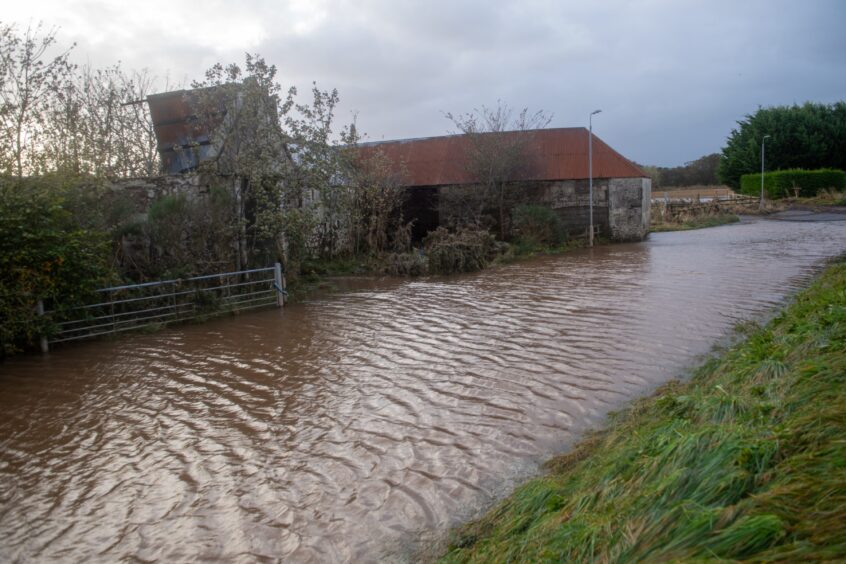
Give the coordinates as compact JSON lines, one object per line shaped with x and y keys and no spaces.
{"x":761,"y":205}
{"x":590,"y":173}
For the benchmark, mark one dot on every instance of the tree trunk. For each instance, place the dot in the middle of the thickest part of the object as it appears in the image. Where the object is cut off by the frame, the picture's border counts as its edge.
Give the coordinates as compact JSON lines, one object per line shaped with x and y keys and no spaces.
{"x":502,"y":211}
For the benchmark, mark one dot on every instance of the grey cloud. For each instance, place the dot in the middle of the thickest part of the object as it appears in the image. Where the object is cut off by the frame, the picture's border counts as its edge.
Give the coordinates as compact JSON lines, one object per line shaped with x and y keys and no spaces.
{"x":671,"y":77}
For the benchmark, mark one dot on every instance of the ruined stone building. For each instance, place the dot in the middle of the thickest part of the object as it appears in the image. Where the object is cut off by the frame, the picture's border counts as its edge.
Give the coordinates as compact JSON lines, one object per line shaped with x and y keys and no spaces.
{"x":439,"y":184}
{"x":556,"y":176}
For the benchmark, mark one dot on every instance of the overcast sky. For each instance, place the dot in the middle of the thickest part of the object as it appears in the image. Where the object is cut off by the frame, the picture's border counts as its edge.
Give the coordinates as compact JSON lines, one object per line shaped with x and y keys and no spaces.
{"x":671,"y":77}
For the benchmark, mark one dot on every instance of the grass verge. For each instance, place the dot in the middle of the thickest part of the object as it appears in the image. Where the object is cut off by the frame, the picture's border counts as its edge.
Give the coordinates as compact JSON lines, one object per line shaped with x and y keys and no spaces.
{"x":824,"y":199}
{"x":746,"y":461}
{"x":520,"y":250}
{"x":697,"y":223}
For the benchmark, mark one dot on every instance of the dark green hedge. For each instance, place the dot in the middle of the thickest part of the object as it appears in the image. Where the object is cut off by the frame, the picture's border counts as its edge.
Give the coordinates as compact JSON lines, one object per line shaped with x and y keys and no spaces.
{"x":781,"y":183}
{"x":45,"y":253}
{"x":811,"y":136}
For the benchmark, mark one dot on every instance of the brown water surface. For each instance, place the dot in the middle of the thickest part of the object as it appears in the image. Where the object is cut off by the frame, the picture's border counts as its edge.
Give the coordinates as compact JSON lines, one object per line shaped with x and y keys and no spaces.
{"x":348,"y":427}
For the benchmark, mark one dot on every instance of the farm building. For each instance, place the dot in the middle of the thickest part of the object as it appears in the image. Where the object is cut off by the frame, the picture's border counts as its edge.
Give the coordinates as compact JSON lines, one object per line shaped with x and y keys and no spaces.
{"x":437,"y":175}
{"x":437,"y":172}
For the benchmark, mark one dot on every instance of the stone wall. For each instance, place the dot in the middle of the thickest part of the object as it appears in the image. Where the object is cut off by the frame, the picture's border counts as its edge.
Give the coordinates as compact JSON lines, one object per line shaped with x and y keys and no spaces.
{"x":629,"y":208}
{"x":676,"y":212}
{"x":620,"y":205}
{"x":196,"y":237}
{"x":145,"y":191}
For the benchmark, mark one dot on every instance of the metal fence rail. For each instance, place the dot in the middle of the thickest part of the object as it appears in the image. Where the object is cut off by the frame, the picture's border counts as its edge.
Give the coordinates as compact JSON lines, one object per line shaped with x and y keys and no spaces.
{"x":136,"y":306}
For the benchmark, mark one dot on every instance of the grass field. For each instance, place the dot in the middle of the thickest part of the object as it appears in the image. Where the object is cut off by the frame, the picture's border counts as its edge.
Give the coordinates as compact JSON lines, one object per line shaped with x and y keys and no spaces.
{"x":746,"y":461}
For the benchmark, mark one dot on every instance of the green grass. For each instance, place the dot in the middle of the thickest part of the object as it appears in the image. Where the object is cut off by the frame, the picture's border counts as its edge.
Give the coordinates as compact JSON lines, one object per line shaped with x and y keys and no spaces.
{"x":698,"y":223}
{"x":520,"y":250}
{"x":342,"y":266}
{"x":746,"y":461}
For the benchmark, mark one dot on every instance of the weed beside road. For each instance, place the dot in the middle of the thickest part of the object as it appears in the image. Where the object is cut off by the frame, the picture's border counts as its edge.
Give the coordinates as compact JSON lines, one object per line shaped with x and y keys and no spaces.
{"x":746,"y":461}
{"x":696,"y":223}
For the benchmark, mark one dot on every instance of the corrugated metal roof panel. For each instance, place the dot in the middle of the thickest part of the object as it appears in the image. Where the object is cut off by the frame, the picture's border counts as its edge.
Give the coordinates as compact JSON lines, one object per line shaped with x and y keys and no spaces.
{"x":182,"y":140}
{"x":559,"y":154}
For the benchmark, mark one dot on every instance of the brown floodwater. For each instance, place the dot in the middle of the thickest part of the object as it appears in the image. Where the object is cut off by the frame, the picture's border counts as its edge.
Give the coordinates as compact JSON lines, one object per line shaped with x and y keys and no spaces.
{"x":360,"y":426}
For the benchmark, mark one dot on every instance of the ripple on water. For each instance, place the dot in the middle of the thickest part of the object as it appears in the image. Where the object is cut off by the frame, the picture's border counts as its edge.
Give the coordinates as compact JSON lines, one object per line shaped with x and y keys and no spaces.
{"x":343,"y":427}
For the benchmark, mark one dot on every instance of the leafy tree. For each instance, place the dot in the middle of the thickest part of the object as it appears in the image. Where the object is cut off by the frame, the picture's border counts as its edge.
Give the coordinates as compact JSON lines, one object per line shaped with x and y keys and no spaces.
{"x":189,"y":236}
{"x":240,"y":109}
{"x":810,"y":136}
{"x":653,"y":172}
{"x":495,"y":155}
{"x":284,"y":155}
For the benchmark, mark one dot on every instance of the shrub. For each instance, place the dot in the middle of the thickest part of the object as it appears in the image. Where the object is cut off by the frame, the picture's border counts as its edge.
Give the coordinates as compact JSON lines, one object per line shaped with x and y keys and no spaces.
{"x":405,"y":264}
{"x":537,"y":225}
{"x":44,"y":254}
{"x":784,"y":183}
{"x":464,"y":250}
{"x":187,"y":236}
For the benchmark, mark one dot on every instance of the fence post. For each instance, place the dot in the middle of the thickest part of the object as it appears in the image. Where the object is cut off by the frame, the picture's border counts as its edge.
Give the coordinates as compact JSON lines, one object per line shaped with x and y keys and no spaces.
{"x":39,"y":309}
{"x":176,"y":286}
{"x":279,"y":282}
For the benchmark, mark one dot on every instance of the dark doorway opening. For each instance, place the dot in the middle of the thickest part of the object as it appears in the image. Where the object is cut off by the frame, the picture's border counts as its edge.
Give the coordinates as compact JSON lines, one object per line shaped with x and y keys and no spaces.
{"x":421,"y":206}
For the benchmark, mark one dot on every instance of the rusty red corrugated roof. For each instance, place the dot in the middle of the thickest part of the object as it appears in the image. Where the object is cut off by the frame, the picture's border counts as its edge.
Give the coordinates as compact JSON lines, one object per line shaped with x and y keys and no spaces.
{"x":183,"y":139}
{"x":558,"y":154}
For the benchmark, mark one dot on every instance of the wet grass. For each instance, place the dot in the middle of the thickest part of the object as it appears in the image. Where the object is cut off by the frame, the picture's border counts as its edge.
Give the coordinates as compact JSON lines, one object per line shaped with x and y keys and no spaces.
{"x":698,"y":223}
{"x":824,"y":198}
{"x":746,"y":461}
{"x":519,"y":250}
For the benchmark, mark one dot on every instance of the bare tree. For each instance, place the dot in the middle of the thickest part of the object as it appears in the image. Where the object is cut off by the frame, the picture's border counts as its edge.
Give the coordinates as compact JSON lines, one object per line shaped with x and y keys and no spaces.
{"x":98,"y":124}
{"x":118,"y":130}
{"x":498,"y":152}
{"x":29,"y":78}
{"x":377,"y":196}
{"x":55,"y":116}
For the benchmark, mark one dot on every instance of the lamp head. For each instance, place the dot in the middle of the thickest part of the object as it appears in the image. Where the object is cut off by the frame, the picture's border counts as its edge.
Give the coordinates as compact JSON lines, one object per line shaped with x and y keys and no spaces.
{"x":594,"y":112}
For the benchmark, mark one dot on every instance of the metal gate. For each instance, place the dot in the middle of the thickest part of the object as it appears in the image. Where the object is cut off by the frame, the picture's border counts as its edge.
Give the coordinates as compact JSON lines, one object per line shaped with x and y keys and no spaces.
{"x":136,"y":306}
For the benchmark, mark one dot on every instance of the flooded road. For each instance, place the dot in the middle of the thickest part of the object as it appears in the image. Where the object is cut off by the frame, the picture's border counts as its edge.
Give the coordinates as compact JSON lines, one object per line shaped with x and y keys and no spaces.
{"x":360,"y":426}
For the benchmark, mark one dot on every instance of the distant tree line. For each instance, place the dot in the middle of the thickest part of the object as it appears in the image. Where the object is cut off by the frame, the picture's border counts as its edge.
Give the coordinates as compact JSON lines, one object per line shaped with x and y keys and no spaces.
{"x":809,"y":136}
{"x":701,"y":172}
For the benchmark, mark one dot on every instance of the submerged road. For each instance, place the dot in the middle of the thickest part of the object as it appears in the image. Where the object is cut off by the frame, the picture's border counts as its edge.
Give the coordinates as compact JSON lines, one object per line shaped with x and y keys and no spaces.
{"x":360,"y":426}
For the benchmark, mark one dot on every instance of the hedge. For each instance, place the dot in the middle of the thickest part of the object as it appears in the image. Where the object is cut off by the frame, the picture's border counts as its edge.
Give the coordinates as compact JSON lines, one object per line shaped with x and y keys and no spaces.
{"x":781,"y":183}
{"x":45,"y":253}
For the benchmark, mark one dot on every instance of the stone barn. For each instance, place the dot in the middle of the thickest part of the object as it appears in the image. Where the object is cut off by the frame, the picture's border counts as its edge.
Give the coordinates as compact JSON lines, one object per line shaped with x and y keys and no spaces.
{"x":437,"y":176}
